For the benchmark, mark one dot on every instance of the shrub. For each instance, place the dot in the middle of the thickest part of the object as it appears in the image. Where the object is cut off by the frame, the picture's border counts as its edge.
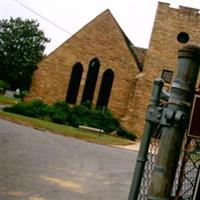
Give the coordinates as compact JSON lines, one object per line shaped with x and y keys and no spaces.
{"x":62,"y":105}
{"x":103,"y":120}
{"x":96,"y":118}
{"x":35,"y":108}
{"x":87,"y":104}
{"x":58,"y":116}
{"x":121,"y":131}
{"x":2,"y":91}
{"x":4,"y":85}
{"x":17,"y":108}
{"x":109,"y":122}
{"x":60,"y":112}
{"x":23,"y":94}
{"x":79,"y":115}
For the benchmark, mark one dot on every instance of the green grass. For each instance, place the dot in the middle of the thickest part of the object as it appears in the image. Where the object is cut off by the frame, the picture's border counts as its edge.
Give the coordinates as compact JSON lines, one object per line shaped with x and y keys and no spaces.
{"x":8,"y":100}
{"x":65,"y":130}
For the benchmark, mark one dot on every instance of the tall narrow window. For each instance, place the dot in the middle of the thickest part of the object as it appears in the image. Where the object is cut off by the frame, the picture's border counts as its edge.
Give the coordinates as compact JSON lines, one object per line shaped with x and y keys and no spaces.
{"x":91,"y":80}
{"x":74,"y":83}
{"x":105,"y":89}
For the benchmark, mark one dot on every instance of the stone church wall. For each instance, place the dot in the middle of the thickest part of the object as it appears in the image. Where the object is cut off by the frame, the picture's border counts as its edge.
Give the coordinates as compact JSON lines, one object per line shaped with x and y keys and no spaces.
{"x":102,"y":38}
{"x":163,"y":52}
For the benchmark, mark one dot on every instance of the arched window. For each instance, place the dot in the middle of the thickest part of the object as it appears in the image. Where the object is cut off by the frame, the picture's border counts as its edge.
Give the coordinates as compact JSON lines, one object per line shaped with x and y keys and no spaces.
{"x":105,"y":89}
{"x":74,"y":83}
{"x":91,"y":80}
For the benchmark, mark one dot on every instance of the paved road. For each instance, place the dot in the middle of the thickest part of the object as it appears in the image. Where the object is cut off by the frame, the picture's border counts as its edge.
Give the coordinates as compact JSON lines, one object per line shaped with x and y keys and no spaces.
{"x":36,"y":165}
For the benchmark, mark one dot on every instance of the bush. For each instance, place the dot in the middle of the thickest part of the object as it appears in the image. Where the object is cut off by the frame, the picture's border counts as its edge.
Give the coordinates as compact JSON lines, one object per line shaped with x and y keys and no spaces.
{"x":87,"y":104}
{"x":2,"y":91}
{"x":58,"y":116}
{"x":23,"y":94}
{"x":17,"y":108}
{"x":80,"y":115}
{"x":109,"y":122}
{"x":102,"y":120}
{"x":62,"y":105}
{"x":121,"y":131}
{"x":35,"y":109}
{"x":62,"y":113}
{"x":4,"y":85}
{"x":96,"y":118}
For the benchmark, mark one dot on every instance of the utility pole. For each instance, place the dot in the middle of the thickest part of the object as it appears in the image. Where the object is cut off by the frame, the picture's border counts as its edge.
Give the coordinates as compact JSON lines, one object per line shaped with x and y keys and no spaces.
{"x":174,"y":122}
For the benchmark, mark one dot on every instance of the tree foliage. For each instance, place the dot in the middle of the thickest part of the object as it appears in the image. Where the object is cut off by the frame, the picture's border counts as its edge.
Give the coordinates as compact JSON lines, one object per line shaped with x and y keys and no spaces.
{"x":22,"y":45}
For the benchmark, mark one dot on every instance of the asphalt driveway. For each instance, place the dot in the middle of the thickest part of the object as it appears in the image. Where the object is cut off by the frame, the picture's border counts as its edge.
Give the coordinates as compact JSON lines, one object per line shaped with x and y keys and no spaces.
{"x":36,"y":165}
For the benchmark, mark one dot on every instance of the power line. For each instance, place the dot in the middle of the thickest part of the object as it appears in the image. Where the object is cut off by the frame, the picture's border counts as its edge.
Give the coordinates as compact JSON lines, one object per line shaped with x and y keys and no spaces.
{"x":36,"y":13}
{"x":61,"y":28}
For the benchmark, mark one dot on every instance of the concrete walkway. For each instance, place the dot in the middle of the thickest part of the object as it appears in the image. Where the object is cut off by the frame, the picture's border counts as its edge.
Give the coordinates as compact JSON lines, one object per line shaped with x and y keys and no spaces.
{"x":133,"y":147}
{"x":36,"y":165}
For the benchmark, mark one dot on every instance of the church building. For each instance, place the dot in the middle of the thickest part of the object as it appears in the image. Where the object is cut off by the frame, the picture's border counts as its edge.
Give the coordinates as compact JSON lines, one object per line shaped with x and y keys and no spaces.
{"x":99,"y":64}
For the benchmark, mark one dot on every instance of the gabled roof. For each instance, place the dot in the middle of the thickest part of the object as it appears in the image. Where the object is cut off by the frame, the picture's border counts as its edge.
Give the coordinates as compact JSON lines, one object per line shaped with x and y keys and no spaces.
{"x":137,"y":53}
{"x":141,"y":53}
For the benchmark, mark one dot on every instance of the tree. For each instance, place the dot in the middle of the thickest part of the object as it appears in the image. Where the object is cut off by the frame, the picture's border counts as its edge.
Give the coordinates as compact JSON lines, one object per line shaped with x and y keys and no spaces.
{"x":22,"y":45}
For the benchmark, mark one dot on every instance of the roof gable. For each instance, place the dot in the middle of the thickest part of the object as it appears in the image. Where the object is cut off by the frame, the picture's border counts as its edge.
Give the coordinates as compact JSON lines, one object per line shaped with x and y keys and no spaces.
{"x":109,"y":32}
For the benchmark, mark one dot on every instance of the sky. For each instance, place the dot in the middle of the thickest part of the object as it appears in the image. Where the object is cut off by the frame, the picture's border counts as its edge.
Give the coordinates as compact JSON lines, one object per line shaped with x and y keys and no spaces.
{"x":60,"y":19}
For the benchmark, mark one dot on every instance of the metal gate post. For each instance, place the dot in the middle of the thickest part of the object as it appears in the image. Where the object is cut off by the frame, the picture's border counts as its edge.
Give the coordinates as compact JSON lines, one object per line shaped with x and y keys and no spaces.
{"x":144,"y":146}
{"x":174,"y":122}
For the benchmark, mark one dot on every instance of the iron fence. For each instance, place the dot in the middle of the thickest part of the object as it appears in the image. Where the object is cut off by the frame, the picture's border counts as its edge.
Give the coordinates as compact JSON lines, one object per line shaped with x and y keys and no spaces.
{"x":186,"y":174}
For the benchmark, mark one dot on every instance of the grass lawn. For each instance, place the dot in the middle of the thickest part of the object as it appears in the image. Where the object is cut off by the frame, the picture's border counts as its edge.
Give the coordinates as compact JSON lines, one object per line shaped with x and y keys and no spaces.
{"x":65,"y":130}
{"x":8,"y":100}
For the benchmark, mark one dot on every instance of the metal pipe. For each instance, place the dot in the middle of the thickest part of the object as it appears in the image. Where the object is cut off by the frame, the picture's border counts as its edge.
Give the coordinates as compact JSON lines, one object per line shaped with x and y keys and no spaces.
{"x":165,"y":95}
{"x":144,"y":146}
{"x":174,"y":122}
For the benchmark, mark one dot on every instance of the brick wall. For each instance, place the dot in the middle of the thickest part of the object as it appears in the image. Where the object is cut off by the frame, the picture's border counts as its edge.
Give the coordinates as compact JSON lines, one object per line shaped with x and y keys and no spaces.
{"x":162,"y":53}
{"x":101,"y":38}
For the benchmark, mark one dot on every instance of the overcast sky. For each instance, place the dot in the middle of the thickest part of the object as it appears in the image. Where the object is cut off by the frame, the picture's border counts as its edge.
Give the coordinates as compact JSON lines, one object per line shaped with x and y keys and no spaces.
{"x":60,"y":19}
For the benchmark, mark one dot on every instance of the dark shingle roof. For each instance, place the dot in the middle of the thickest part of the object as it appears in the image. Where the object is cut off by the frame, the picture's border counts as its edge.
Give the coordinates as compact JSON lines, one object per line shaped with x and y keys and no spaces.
{"x":138,"y":53}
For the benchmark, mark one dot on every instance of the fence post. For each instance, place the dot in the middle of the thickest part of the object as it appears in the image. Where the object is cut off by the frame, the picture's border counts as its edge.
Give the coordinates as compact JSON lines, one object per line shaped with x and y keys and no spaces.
{"x":174,"y":121}
{"x":144,"y":146}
